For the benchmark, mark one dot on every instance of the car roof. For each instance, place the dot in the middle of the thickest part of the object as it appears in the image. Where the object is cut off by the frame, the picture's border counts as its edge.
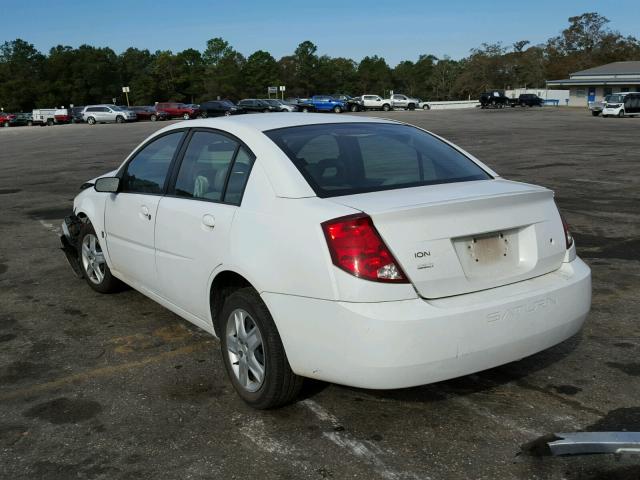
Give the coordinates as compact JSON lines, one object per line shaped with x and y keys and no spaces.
{"x":272,"y":121}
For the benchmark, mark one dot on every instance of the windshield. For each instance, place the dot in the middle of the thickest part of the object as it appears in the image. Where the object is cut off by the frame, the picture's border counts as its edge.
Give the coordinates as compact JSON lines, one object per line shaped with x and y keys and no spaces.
{"x":344,"y":159}
{"x":615,"y":99}
{"x":116,"y":108}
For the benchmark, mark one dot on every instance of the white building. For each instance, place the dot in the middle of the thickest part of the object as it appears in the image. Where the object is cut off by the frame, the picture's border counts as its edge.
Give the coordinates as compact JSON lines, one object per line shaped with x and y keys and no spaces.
{"x":595,"y":83}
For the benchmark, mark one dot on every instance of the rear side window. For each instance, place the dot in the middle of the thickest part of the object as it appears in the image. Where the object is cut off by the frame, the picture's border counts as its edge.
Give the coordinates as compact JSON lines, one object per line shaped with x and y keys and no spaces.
{"x":349,"y":158}
{"x":147,"y":172}
{"x":214,"y":167}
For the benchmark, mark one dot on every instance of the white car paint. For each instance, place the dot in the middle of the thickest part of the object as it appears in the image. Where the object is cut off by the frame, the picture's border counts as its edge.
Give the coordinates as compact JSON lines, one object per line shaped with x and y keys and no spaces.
{"x":450,"y":320}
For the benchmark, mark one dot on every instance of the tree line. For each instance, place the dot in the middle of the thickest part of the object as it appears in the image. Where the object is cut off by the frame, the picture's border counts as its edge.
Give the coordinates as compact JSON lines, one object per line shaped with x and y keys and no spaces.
{"x":87,"y":74}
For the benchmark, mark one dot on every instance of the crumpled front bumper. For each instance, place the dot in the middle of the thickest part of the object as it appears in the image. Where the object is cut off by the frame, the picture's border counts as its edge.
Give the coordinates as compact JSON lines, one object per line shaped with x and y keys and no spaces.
{"x":69,"y":242}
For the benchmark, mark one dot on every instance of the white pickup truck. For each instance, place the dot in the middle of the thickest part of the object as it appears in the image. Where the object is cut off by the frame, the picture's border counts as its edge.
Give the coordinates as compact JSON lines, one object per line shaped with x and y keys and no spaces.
{"x":376,"y":102}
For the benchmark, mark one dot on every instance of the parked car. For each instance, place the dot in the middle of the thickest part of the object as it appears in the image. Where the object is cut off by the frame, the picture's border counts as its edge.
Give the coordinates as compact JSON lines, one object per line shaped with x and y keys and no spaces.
{"x":76,"y":114}
{"x":107,"y":113}
{"x":403,"y":101}
{"x":375,"y":102}
{"x":527,"y":100}
{"x":326,"y":103}
{"x":494,"y":99}
{"x":303,"y":104}
{"x":621,"y":104}
{"x":300,"y":241}
{"x":253,"y":105}
{"x":5,"y":119}
{"x":218,"y":108}
{"x":146,"y":112}
{"x":178,"y":110}
{"x":424,"y":105}
{"x":20,"y":119}
{"x":353,"y":104}
{"x":280,"y":105}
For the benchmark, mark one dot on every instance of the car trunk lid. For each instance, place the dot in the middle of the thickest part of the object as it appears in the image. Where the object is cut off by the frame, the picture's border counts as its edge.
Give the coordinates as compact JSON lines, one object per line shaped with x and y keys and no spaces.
{"x":457,"y":238}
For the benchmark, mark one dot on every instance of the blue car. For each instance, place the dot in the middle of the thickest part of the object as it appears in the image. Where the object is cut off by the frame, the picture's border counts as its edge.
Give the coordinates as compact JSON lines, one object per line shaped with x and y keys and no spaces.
{"x":326,"y":103}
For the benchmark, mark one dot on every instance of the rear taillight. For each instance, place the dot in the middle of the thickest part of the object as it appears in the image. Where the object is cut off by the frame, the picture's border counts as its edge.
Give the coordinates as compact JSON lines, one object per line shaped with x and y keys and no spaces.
{"x":357,"y":248}
{"x":567,"y":234}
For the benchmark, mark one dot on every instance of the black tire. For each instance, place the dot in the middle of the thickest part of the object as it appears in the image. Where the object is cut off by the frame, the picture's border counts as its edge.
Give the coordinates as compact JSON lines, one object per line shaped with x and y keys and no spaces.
{"x":280,"y":385}
{"x":386,"y":107}
{"x":412,"y":106}
{"x":354,"y":108}
{"x":227,"y":113}
{"x":266,"y":110}
{"x":153,"y":118}
{"x":49,"y":123}
{"x":595,"y":113}
{"x":305,"y":109}
{"x":29,"y":123}
{"x":6,"y":124}
{"x":119,"y":119}
{"x":621,"y":114}
{"x":109,"y":283}
{"x":426,"y":107}
{"x":337,"y":109}
{"x":91,"y":121}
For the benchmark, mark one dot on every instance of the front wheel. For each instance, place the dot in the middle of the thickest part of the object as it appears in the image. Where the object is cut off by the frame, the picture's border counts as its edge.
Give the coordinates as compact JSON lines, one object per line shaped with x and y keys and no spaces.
{"x":386,"y":107}
{"x":119,"y":119}
{"x":426,"y":107}
{"x":93,"y":264}
{"x":354,"y":108}
{"x":305,"y":109}
{"x":153,"y":118}
{"x":186,"y":116}
{"x":595,"y":113}
{"x":29,"y":123}
{"x":621,"y":114}
{"x":337,"y":109}
{"x":5,"y":124}
{"x":253,"y":353}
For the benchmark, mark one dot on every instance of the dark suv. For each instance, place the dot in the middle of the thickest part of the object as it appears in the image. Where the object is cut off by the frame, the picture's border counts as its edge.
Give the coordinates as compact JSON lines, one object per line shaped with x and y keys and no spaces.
{"x":255,"y":105}
{"x":530,"y":100}
{"x":218,"y":108}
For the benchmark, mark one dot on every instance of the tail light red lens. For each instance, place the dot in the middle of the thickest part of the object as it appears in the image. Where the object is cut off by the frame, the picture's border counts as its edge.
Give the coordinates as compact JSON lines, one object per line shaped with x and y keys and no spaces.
{"x":357,"y":248}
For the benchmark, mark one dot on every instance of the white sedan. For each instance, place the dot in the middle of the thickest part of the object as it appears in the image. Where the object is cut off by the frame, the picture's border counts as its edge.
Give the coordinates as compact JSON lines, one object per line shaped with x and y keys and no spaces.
{"x":354,"y":250}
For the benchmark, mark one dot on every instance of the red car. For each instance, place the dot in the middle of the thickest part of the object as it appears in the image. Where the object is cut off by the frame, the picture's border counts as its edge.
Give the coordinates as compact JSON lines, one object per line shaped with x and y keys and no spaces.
{"x":178,"y":110}
{"x":5,"y":119}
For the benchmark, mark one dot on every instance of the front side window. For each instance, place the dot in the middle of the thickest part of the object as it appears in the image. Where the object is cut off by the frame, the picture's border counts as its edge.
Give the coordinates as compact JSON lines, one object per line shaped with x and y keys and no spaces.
{"x":344,"y":159}
{"x":205,"y":166}
{"x":147,"y":172}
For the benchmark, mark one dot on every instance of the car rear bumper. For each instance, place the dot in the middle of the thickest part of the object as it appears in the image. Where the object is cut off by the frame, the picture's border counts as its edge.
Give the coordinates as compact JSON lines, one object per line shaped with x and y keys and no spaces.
{"x":414,"y":342}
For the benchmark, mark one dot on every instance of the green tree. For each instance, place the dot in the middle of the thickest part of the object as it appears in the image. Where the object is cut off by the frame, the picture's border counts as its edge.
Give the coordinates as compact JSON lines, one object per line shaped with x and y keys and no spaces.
{"x":21,"y":67}
{"x":260,"y":71}
{"x":374,"y":75}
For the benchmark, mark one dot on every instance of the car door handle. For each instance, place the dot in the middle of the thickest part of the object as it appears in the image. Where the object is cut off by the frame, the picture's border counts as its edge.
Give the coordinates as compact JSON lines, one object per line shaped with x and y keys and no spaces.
{"x":144,"y":212}
{"x":208,"y":221}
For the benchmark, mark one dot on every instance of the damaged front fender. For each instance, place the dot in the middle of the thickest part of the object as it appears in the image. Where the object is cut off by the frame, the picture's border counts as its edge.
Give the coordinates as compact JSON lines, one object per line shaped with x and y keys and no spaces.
{"x":69,"y":240}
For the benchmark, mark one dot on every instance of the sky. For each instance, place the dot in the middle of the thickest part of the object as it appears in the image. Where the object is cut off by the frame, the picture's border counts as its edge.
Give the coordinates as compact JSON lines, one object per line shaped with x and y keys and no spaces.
{"x":354,"y":29}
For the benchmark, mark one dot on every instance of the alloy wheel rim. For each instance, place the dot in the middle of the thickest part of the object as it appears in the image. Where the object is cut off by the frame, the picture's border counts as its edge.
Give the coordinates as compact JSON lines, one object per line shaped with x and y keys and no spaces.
{"x":245,"y":349}
{"x":93,"y":259}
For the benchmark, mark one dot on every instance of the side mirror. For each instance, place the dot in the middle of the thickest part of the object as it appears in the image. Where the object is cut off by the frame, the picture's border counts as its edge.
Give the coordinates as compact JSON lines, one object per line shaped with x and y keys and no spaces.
{"x":107,"y":184}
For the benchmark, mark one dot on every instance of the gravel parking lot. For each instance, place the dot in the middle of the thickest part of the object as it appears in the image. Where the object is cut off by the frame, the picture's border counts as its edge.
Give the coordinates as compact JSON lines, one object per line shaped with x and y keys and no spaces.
{"x":117,"y":387}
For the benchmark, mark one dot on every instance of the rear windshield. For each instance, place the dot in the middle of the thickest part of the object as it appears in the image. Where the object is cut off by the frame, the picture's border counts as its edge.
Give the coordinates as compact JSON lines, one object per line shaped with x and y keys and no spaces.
{"x":343,"y":159}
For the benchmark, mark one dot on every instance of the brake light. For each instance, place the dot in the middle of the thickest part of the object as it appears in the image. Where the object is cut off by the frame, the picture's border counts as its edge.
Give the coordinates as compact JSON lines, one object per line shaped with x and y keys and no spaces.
{"x":357,"y":248}
{"x":567,"y":234}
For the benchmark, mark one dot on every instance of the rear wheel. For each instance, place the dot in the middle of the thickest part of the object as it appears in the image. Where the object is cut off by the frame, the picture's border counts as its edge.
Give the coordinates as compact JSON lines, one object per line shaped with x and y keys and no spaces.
{"x":153,"y":118}
{"x":266,"y":110}
{"x":305,"y":109}
{"x":354,"y":108}
{"x":337,"y":109}
{"x":91,"y":121}
{"x":5,"y":124}
{"x":412,"y":106}
{"x":186,"y":116}
{"x":49,"y":123}
{"x":595,"y":113}
{"x":29,"y":123}
{"x":227,"y":113}
{"x":253,"y":353}
{"x":93,"y":264}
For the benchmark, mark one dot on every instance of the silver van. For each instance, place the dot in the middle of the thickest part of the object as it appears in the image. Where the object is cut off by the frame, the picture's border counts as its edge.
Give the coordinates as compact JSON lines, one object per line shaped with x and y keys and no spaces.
{"x":93,"y":114}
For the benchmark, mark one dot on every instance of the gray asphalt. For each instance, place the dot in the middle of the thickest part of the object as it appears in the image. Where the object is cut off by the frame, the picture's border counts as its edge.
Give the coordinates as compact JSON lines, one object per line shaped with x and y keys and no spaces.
{"x":116,"y":387}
